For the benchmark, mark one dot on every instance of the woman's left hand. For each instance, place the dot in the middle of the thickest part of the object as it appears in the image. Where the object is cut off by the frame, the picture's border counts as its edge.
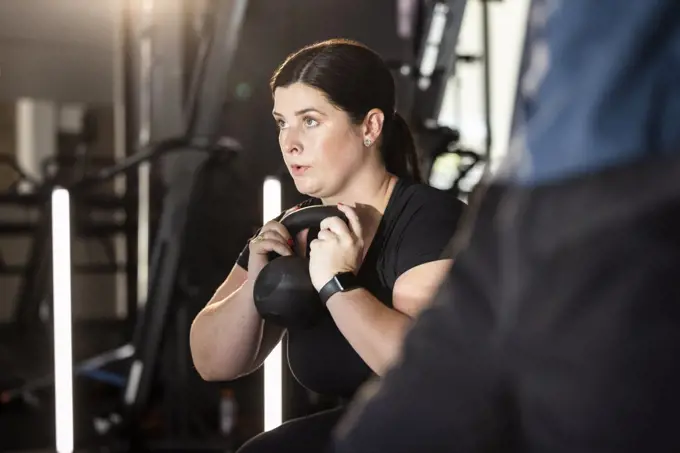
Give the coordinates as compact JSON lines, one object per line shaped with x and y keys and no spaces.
{"x":338,"y":248}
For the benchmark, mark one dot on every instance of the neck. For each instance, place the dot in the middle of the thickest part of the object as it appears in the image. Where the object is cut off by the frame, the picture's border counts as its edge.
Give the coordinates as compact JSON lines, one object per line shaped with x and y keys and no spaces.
{"x":370,"y":188}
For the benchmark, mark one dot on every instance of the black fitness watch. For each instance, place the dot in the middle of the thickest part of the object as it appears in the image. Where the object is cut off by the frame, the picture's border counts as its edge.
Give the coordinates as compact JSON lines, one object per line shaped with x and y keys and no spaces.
{"x":341,"y":282}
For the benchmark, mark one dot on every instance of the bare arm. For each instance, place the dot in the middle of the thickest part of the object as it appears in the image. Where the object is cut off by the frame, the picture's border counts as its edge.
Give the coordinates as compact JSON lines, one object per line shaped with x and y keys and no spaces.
{"x":228,"y":337}
{"x":376,"y":331}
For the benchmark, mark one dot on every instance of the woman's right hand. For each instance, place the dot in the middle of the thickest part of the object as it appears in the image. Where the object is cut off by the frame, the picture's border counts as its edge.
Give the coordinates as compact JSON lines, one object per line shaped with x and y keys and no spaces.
{"x":273,"y":237}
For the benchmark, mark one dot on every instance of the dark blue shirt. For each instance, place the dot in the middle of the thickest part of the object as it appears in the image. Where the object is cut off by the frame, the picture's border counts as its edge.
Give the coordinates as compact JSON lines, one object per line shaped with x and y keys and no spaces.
{"x":599,"y":87}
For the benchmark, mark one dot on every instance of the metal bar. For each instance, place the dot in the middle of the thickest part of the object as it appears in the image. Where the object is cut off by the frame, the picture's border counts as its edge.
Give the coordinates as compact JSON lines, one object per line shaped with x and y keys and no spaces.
{"x":90,"y":230}
{"x":131,"y":180}
{"x":89,"y":201}
{"x":34,"y":279}
{"x":205,"y":116}
{"x":105,"y":268}
{"x":486,"y":40}
{"x":203,"y":129}
{"x":120,"y":145}
{"x":93,"y":363}
{"x":437,"y":58}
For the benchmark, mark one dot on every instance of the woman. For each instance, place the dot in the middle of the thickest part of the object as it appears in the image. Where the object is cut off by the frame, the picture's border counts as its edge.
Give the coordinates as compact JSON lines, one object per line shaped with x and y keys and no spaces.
{"x":344,"y":145}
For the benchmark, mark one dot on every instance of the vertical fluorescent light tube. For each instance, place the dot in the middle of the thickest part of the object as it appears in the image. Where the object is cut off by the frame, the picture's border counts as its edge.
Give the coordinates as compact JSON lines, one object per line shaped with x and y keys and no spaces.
{"x":61,"y":284}
{"x":273,"y":370}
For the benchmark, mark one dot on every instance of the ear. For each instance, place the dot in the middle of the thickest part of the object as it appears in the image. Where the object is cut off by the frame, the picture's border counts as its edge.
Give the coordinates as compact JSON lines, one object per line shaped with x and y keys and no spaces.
{"x":373,"y":125}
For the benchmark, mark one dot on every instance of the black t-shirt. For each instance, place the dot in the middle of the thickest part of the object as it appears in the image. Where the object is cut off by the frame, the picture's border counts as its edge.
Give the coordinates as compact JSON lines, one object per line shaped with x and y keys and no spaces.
{"x":417,"y":224}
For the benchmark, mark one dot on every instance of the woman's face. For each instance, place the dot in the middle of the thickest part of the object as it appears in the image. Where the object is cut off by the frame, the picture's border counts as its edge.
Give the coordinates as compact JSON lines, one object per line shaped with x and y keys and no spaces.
{"x":320,"y":145}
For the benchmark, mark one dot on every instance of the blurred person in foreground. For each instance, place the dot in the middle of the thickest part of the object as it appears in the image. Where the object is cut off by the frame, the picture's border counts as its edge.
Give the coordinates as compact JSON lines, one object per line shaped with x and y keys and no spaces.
{"x":558,"y":328}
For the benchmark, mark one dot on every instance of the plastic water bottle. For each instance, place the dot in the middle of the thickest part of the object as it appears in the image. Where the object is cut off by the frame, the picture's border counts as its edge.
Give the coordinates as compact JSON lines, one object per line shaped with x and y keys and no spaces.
{"x":228,"y":411}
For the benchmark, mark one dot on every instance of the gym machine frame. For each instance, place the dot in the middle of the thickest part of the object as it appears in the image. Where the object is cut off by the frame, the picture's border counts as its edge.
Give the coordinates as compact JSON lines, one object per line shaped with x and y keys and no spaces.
{"x":207,"y":91}
{"x":435,"y":66}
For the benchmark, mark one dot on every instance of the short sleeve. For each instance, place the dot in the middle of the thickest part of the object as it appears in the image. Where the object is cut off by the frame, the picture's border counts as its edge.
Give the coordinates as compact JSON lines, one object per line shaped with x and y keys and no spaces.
{"x":244,"y":256}
{"x":428,"y":232}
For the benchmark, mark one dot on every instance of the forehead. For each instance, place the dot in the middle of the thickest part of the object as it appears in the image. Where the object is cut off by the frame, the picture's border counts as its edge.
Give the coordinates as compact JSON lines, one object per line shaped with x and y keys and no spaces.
{"x":299,"y":96}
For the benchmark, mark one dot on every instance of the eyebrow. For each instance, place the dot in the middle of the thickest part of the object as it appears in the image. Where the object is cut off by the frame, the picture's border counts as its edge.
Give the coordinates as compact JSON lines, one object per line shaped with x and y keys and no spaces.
{"x":301,"y":112}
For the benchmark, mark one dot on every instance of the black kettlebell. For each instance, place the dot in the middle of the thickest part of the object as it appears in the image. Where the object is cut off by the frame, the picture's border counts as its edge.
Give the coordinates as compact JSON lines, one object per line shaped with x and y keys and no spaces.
{"x":283,"y":291}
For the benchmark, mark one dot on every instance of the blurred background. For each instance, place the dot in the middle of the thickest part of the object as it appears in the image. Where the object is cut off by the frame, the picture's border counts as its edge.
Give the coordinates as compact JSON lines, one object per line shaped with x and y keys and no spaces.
{"x":155,"y":115}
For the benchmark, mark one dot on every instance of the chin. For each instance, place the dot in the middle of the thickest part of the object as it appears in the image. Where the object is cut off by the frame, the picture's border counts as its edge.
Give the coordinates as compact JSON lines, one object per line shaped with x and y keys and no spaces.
{"x":310,"y":188}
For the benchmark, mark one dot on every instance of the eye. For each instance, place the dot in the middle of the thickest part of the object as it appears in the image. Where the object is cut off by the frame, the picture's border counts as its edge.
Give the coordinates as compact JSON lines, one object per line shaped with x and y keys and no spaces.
{"x":310,"y":122}
{"x":280,"y":124}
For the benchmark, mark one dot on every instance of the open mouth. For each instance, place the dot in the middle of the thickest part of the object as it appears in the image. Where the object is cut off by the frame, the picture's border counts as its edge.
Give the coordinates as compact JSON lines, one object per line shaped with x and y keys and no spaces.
{"x":297,"y":170}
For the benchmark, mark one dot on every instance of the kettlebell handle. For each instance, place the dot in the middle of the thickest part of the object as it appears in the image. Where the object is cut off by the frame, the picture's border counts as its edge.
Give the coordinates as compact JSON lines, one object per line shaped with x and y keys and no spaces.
{"x":283,"y":292}
{"x":309,"y":217}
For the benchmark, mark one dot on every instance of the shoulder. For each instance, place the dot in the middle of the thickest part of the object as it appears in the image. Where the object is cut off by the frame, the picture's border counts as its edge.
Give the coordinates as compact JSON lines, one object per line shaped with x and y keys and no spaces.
{"x":416,"y":203}
{"x":431,"y":196}
{"x":423,"y":219}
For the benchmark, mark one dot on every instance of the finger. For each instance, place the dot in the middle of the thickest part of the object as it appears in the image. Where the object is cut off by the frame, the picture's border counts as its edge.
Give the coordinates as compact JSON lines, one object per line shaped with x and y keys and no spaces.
{"x":264,"y":246}
{"x":327,"y":235}
{"x":269,"y":235}
{"x":314,"y":245}
{"x":353,"y":219}
{"x":273,"y":235}
{"x":336,"y":226}
{"x":273,"y":225}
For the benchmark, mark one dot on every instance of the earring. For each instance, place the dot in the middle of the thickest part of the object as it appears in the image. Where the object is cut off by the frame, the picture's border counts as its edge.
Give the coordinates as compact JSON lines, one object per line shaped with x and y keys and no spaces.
{"x":367,"y":142}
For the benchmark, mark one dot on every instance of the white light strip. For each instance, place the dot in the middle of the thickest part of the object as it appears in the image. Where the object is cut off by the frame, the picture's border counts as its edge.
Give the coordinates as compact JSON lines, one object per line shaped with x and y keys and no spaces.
{"x":273,"y":365}
{"x":61,"y":281}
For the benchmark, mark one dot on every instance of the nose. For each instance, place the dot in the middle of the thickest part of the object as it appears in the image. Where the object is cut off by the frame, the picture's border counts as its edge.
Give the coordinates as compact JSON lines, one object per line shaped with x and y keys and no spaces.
{"x":290,"y":142}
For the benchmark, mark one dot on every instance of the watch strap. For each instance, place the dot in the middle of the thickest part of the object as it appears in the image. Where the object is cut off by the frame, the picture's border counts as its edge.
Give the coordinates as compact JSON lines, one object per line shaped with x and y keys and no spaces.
{"x":341,"y":282}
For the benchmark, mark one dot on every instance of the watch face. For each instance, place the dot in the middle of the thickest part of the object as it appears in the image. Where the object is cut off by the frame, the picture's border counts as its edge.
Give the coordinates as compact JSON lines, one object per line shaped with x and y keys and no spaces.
{"x":346,"y":280}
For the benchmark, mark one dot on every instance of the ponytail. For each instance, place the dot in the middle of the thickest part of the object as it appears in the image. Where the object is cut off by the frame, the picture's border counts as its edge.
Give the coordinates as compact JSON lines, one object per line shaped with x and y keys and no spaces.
{"x":399,"y":150}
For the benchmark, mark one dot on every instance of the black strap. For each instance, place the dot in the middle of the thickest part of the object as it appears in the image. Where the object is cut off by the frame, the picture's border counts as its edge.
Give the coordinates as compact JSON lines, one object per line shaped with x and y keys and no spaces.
{"x":344,"y":281}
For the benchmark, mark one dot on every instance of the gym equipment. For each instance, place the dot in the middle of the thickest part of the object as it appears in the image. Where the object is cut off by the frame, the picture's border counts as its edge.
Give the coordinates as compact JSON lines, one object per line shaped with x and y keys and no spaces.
{"x":161,"y":323}
{"x":437,"y":57}
{"x":451,"y":166}
{"x":283,"y":291}
{"x":161,"y":357}
{"x":435,"y":65}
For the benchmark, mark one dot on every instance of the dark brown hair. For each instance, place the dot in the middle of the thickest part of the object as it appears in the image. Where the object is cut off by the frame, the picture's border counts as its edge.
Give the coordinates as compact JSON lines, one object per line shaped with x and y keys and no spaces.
{"x":355,"y":79}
